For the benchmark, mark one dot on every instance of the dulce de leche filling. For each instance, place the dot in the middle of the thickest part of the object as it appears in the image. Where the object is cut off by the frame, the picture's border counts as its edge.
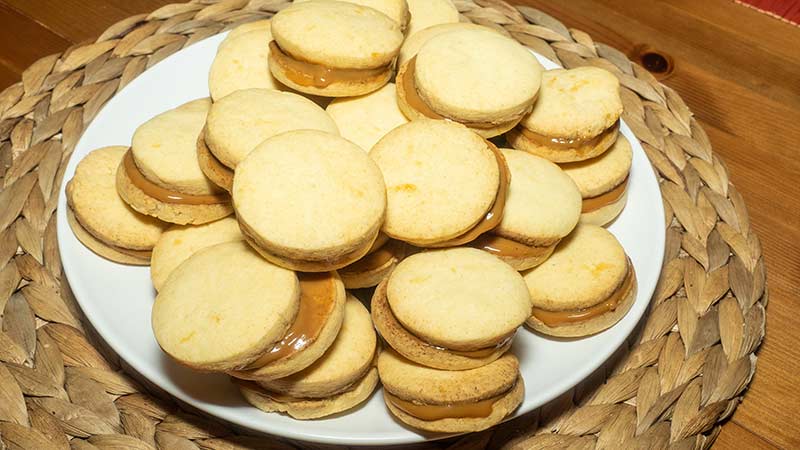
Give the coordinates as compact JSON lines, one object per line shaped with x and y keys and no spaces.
{"x":317,"y":298}
{"x":478,"y":409}
{"x":165,"y":195}
{"x":594,"y":203}
{"x":504,"y":247}
{"x":307,"y":73}
{"x":377,"y":258}
{"x":561,"y":318}
{"x":495,"y":214}
{"x":576,"y":144}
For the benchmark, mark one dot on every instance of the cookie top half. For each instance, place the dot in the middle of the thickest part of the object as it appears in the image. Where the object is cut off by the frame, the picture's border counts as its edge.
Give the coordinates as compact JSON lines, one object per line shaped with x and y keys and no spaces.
{"x":309,"y":191}
{"x":459,"y":298}
{"x":165,"y":149}
{"x":427,"y":13}
{"x":240,"y":121}
{"x":337,"y":34}
{"x":441,"y":179}
{"x":397,"y":10}
{"x":586,"y":268}
{"x":414,"y":42}
{"x":577,"y":103}
{"x":365,"y":119}
{"x":477,"y":75}
{"x":242,"y":61}
{"x":600,"y":174}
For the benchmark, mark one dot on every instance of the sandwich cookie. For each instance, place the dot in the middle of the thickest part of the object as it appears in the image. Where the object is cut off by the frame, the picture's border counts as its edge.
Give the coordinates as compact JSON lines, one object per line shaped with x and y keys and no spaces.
{"x":100,"y":219}
{"x":309,"y":200}
{"x":493,"y":85}
{"x":160,"y":175}
{"x":365,"y":119}
{"x":449,"y":401}
{"x":575,"y":118}
{"x":333,"y":48}
{"x":342,"y":378}
{"x":237,"y":123}
{"x":179,"y":242}
{"x":603,"y":182}
{"x":451,"y":309}
{"x":376,"y":265}
{"x":427,"y":13}
{"x":586,"y":286}
{"x":242,"y":61}
{"x":397,"y":10}
{"x":445,"y":184}
{"x":412,"y":44}
{"x":543,"y":206}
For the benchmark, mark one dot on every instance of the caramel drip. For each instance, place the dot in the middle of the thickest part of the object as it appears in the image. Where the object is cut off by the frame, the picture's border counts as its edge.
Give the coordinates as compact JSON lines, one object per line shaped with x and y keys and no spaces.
{"x":414,"y":100}
{"x":495,"y":214}
{"x":500,"y":246}
{"x":377,"y":258}
{"x":594,"y":203}
{"x":480,"y":353}
{"x":567,"y":143}
{"x":309,"y":74}
{"x":164,"y":195}
{"x":317,"y":298}
{"x":560,"y":318}
{"x":481,"y":408}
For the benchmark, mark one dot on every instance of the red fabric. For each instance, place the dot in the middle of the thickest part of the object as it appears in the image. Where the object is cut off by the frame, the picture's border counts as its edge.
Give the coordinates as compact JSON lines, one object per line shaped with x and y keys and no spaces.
{"x":788,"y":9}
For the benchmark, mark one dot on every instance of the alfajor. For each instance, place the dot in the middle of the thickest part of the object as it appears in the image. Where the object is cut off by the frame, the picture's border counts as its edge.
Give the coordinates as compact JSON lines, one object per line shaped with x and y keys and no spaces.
{"x":242,"y":61}
{"x":309,"y":200}
{"x":179,"y":242}
{"x":396,"y":10}
{"x":445,"y":185}
{"x":333,"y":48}
{"x":587,"y":285}
{"x":227,"y":309}
{"x":575,"y":118}
{"x":237,"y":123}
{"x":452,"y":309}
{"x":427,"y":13}
{"x":341,"y":379}
{"x":603,"y":182}
{"x":412,"y":44}
{"x":473,"y":76}
{"x":160,"y":175}
{"x":448,"y":401}
{"x":543,"y":206}
{"x":376,"y":265}
{"x":365,"y":119}
{"x":100,"y":219}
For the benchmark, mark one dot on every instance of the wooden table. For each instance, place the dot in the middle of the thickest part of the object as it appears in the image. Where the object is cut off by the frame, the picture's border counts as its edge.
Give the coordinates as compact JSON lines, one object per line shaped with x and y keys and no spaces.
{"x":737,"y":69}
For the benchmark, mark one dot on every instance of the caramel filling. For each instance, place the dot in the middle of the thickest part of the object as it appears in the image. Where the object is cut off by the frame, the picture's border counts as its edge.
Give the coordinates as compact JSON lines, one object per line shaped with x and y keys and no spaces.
{"x":567,"y":143}
{"x":414,"y":100}
{"x":317,"y":298}
{"x":504,"y":247}
{"x":481,"y":408}
{"x":164,"y":195}
{"x":495,"y":214}
{"x":480,"y":353}
{"x":594,"y":203}
{"x":560,"y":318}
{"x":377,"y":258}
{"x":306,"y":73}
{"x":220,"y":173}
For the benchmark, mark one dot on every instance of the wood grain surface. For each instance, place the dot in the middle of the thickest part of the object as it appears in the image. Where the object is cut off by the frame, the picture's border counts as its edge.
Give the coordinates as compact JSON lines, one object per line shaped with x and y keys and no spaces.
{"x":737,"y":69}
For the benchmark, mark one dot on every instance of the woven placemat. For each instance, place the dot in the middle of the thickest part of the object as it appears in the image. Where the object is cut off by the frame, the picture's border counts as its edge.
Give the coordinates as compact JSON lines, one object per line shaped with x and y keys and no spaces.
{"x":682,"y":373}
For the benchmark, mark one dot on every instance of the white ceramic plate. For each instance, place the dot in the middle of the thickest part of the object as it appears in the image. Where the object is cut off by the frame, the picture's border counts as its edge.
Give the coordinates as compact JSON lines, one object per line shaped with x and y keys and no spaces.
{"x":117,"y":299}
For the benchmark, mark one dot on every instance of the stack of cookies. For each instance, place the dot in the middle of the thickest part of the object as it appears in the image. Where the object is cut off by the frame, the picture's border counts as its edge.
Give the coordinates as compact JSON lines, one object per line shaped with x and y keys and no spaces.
{"x":345,"y":145}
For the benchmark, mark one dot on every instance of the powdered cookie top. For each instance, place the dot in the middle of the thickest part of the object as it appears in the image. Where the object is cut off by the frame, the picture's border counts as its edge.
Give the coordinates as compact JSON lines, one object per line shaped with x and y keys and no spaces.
{"x":367,"y":118}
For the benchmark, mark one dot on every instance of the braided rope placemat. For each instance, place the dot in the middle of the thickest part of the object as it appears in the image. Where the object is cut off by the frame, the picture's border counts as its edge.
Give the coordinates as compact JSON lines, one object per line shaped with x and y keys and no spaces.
{"x":682,"y":373}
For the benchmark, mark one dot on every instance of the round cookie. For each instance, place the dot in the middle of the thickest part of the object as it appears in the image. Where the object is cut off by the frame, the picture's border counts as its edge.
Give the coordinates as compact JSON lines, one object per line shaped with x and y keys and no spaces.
{"x":494,"y":87}
{"x":450,"y":401}
{"x":263,"y":24}
{"x":586,"y":286}
{"x":179,"y":242}
{"x":309,"y":200}
{"x":397,"y":10}
{"x":375,"y":266}
{"x":333,"y":48}
{"x":100,"y":219}
{"x":314,"y":329}
{"x":413,"y":43}
{"x":543,"y":205}
{"x":224,"y":307}
{"x":603,"y":182}
{"x":427,"y":13}
{"x":575,"y":118}
{"x":441,"y":181}
{"x":242,"y":62}
{"x":239,"y":122}
{"x":161,"y":176}
{"x":365,"y":119}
